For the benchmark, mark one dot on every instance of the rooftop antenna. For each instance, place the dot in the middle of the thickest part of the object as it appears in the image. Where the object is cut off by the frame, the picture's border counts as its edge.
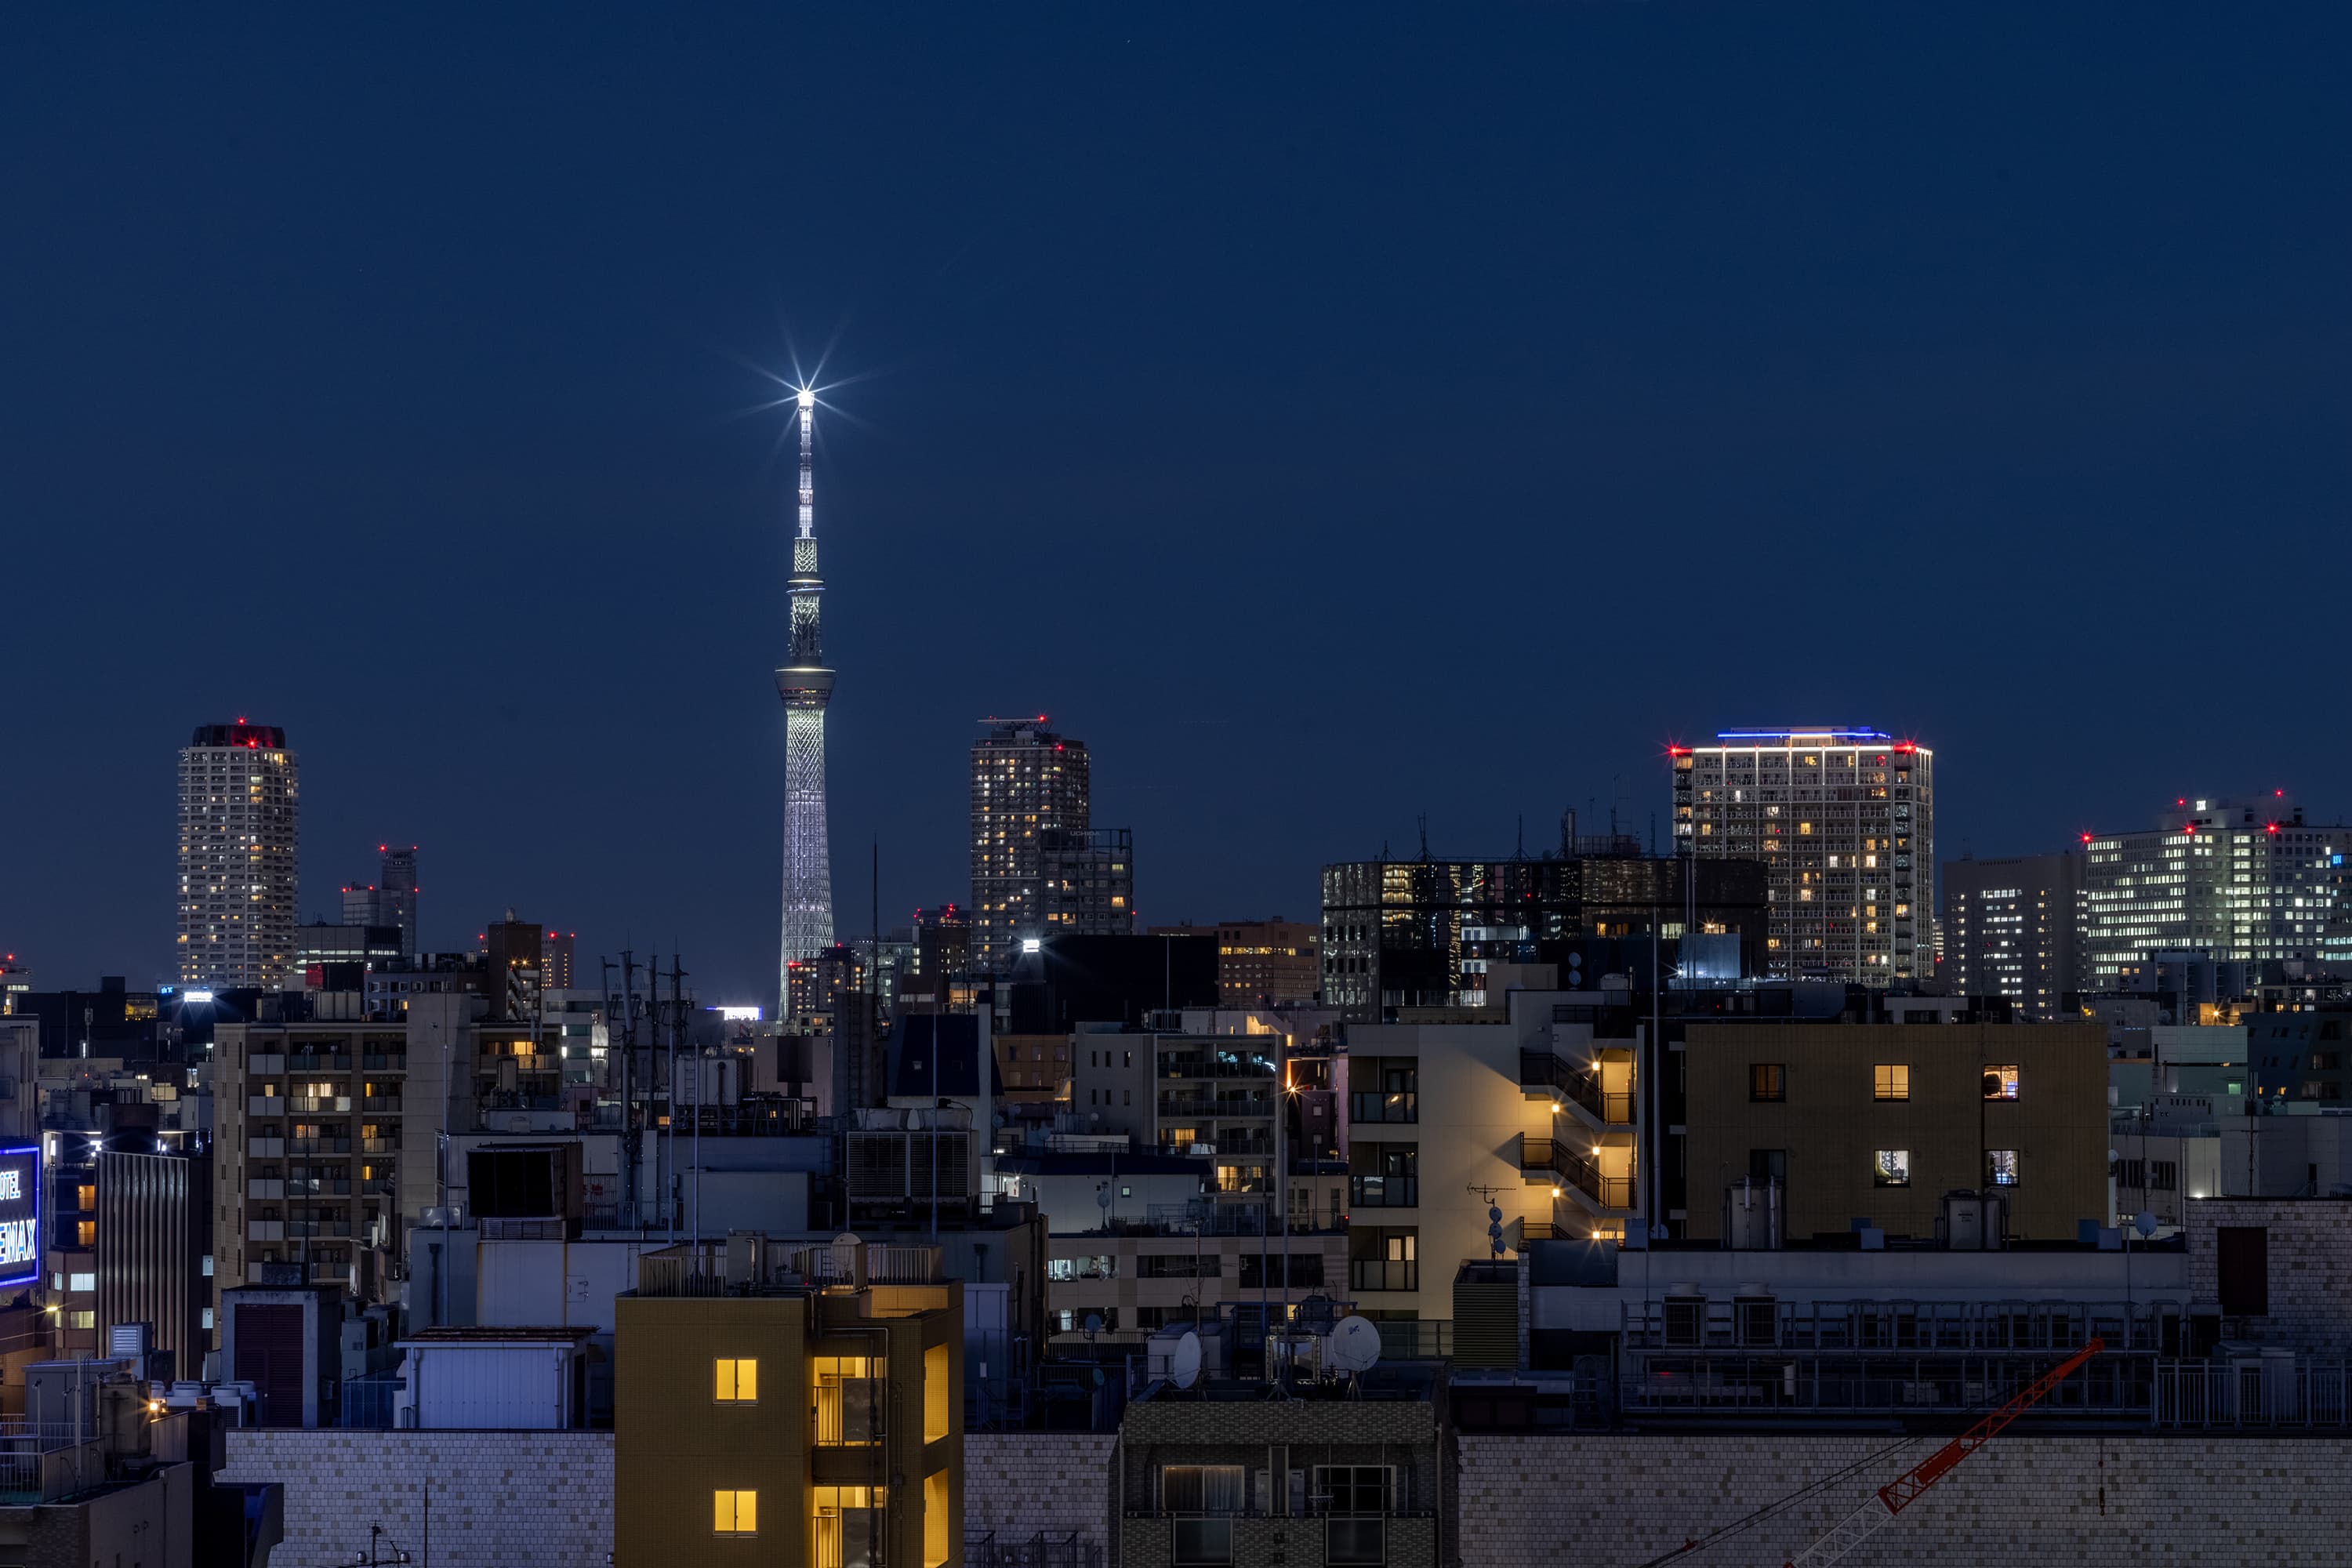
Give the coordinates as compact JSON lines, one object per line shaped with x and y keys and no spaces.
{"x":1521,"y":852}
{"x":1424,"y":820}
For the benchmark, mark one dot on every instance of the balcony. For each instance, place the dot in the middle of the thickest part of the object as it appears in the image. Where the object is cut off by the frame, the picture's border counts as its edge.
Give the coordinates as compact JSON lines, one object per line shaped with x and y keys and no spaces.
{"x":1566,"y":1166}
{"x":1383,"y":1274}
{"x":1383,"y":1192}
{"x":1366,"y":1106}
{"x":319,"y":1145}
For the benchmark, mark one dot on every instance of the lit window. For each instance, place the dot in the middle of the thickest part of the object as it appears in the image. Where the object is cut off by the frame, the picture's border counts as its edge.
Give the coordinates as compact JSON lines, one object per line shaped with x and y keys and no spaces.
{"x":1892,"y":1168}
{"x":82,"y":1282}
{"x":2000,"y":1082}
{"x":735,"y":1513}
{"x":737,"y":1380}
{"x":1891,"y":1080}
{"x":1768,"y":1082}
{"x":2001,"y":1167}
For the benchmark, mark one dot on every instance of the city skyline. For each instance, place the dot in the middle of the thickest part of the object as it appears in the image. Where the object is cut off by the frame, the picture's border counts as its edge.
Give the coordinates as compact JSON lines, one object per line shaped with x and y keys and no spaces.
{"x":1995,"y":377}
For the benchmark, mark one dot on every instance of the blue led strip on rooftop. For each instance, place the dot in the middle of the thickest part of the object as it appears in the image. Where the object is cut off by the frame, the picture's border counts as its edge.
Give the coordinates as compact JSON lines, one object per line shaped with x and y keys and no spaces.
{"x":1832,"y":732}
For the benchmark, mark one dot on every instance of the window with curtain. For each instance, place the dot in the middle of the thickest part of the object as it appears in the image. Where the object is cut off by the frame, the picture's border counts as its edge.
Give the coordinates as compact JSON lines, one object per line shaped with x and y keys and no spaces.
{"x":1201,"y":1489}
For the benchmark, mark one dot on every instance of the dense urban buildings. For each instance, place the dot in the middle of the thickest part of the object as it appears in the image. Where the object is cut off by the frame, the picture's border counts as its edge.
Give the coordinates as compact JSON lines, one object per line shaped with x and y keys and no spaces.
{"x":805,"y":683}
{"x":1026,"y":781}
{"x":2237,"y":880}
{"x":390,"y":900}
{"x":238,"y":838}
{"x":1262,"y":963}
{"x":1845,"y":818}
{"x":1087,"y":882}
{"x":2013,"y":928}
{"x":1423,"y":933}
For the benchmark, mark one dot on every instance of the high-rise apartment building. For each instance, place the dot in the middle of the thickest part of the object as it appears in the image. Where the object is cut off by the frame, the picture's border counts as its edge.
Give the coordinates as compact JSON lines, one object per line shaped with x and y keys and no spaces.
{"x":1845,"y":818}
{"x":1087,"y":882}
{"x":1026,"y":781}
{"x":2011,"y":928}
{"x":2244,"y":881}
{"x":238,"y":843}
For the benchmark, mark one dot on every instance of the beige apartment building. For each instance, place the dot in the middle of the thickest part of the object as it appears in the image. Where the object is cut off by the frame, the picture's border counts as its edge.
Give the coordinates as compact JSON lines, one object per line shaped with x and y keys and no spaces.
{"x":1878,"y":1121}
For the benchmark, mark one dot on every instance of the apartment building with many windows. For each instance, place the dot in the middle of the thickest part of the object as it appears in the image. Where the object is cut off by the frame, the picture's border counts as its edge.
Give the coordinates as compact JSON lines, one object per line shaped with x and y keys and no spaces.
{"x":238,"y":838}
{"x":326,"y":1141}
{"x":1026,"y":781}
{"x":1845,"y":818}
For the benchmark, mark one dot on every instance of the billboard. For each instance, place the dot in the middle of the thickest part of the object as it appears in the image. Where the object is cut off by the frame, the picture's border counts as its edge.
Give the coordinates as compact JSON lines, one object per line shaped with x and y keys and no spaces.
{"x":20,"y":1216}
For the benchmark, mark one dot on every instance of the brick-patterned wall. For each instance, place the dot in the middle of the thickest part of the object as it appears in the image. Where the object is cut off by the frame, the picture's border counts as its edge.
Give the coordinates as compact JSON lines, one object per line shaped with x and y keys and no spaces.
{"x":500,"y":1500}
{"x":2196,"y":1498}
{"x":2310,"y":1254}
{"x":1018,"y":1483}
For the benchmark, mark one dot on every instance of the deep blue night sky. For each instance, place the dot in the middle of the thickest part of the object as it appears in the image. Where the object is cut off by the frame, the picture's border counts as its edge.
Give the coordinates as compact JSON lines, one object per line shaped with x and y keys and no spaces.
{"x":1329,"y":418}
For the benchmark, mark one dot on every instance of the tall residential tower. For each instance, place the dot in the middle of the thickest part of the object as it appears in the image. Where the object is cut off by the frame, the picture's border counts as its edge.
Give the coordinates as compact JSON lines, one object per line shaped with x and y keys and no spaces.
{"x":806,"y":686}
{"x":1845,"y":818}
{"x":1026,"y":781}
{"x":238,"y":841}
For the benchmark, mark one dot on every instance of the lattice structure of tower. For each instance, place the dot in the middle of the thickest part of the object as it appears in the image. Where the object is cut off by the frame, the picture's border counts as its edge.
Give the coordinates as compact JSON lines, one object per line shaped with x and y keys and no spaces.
{"x":806,"y":686}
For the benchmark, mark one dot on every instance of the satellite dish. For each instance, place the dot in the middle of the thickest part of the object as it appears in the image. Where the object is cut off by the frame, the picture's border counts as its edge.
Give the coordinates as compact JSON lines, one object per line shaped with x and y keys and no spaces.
{"x":1354,"y":1345}
{"x":2144,"y":1222}
{"x":1184,"y":1366}
{"x":847,"y":1238}
{"x":1094,"y":1324}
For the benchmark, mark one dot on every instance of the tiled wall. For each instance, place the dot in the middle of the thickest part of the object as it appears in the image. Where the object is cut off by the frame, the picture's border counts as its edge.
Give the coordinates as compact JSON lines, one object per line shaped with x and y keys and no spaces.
{"x":500,"y":1500}
{"x":2195,"y":1499}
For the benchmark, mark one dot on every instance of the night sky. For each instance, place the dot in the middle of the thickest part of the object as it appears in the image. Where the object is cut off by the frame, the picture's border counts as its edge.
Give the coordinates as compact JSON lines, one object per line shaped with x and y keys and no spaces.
{"x":1329,"y":417}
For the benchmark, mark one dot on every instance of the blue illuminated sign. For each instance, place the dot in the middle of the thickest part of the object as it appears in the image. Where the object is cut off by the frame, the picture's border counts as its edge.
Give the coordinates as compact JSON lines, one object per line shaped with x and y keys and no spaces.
{"x":20,"y":1216}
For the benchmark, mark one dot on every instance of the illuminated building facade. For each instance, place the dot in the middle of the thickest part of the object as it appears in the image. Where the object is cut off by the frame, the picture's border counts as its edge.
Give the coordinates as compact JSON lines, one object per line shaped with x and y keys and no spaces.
{"x":1262,"y":963}
{"x":1845,"y":820}
{"x":238,"y":843}
{"x":1421,"y":933}
{"x":2013,"y":928}
{"x":806,"y":684}
{"x":2244,"y":881}
{"x":1026,"y":781}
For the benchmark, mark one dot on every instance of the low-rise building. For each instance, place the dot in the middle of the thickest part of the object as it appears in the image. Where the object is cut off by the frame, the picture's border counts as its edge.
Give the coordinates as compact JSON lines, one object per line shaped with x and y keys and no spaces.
{"x":797,"y":1407}
{"x":1878,"y":1121}
{"x":1229,"y":1475}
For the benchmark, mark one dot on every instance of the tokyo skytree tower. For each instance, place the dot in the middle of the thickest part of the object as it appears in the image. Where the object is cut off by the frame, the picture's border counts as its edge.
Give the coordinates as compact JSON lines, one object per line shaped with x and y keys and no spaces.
{"x":806,"y":686}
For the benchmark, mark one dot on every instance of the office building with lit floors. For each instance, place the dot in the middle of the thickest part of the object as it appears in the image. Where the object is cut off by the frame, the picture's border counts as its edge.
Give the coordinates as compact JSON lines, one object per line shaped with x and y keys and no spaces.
{"x":238,"y":843}
{"x":1846,"y":819}
{"x":798,"y":1406}
{"x":2241,"y":880}
{"x":2013,"y":928}
{"x":1026,"y":781}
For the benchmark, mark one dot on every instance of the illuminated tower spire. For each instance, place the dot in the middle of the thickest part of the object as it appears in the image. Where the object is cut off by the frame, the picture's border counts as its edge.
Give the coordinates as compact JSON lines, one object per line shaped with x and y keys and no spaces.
{"x":806,"y":686}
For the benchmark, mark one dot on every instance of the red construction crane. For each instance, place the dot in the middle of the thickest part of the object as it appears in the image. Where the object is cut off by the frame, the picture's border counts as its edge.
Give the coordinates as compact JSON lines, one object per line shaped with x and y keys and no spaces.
{"x":1904,"y":1489}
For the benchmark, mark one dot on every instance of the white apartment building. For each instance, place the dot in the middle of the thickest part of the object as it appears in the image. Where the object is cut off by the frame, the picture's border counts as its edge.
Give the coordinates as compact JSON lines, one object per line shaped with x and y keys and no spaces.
{"x":1845,"y":820}
{"x":238,"y":843}
{"x":2244,"y":881}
